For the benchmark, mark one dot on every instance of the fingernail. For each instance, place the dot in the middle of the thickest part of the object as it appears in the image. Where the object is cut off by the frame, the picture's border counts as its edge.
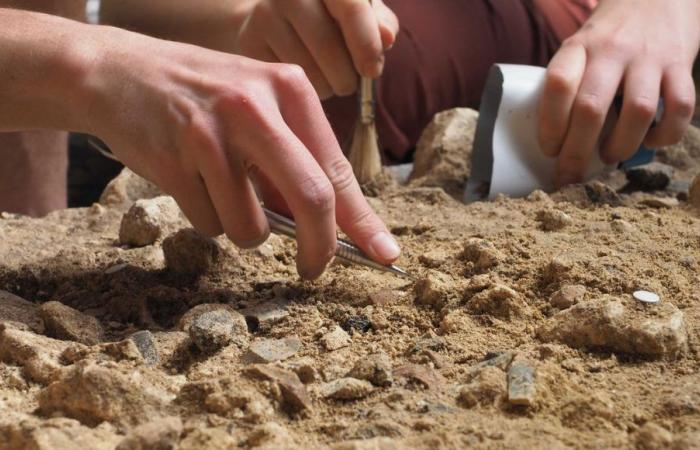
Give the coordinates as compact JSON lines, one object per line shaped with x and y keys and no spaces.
{"x":384,"y":246}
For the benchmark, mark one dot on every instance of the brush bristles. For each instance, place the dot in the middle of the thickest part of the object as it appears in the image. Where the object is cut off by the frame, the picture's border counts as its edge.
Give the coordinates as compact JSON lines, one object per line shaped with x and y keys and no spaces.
{"x":364,"y":156}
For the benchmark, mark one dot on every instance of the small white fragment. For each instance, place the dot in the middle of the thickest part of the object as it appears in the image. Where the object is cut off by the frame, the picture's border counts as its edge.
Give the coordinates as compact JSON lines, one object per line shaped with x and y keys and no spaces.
{"x":116,"y":268}
{"x":646,"y":297}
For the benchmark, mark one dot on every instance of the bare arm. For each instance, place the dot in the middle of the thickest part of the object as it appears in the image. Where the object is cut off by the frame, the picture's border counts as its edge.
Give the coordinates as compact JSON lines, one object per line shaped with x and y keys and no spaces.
{"x":209,"y":23}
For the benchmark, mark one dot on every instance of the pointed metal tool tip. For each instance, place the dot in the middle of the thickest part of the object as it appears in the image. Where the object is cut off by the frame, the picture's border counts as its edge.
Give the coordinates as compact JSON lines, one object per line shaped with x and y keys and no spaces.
{"x":400,"y":272}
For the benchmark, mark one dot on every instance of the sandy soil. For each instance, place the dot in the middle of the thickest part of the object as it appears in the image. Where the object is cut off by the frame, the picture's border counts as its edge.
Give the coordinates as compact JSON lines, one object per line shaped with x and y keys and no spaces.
{"x":520,"y":330}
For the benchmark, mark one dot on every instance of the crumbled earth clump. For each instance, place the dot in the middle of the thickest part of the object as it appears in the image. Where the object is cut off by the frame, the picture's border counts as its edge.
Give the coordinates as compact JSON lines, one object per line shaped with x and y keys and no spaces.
{"x":518,"y":328}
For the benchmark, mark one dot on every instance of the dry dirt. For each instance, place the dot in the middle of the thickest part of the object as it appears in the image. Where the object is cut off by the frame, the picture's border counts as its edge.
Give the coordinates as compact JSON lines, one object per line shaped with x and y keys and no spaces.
{"x":520,"y":330}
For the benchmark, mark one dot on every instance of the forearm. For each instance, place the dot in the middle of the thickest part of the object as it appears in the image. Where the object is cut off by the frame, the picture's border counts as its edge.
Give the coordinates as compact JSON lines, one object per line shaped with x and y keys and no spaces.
{"x":208,"y":23}
{"x":44,"y":62}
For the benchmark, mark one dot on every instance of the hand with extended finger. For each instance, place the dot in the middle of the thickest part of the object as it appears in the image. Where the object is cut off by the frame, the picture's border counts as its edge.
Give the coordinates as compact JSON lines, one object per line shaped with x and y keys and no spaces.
{"x":204,"y":125}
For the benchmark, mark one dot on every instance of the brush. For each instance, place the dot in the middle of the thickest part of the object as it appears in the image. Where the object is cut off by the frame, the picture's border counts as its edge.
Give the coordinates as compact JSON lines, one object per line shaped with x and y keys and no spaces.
{"x":365,"y":157}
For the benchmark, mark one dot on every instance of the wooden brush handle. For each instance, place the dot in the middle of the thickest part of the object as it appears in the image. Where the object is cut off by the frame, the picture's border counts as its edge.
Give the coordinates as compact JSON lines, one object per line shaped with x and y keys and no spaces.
{"x":366,"y":101}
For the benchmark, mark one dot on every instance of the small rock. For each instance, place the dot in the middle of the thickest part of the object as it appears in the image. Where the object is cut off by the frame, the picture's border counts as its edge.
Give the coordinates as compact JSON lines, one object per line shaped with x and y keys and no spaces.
{"x":384,"y":297}
{"x":271,"y":350}
{"x":661,"y":202}
{"x":424,"y":375}
{"x":147,"y":347}
{"x":213,"y":330}
{"x":305,"y":369}
{"x":433,"y":258}
{"x":159,"y":434}
{"x":609,"y":323}
{"x":557,"y":270}
{"x":482,"y":253}
{"x":191,"y":253}
{"x":654,"y":176}
{"x":694,"y":192}
{"x":20,"y":312}
{"x":338,"y":338}
{"x":357,"y":323}
{"x":263,"y":316}
{"x":501,"y":360}
{"x":187,"y":318}
{"x":64,"y":322}
{"x":521,"y":384}
{"x":652,"y":437}
{"x":270,"y":436}
{"x":621,"y":226}
{"x":294,"y":393}
{"x":601,"y":193}
{"x":553,"y":219}
{"x":567,"y":296}
{"x":374,"y":368}
{"x":432,"y":290}
{"x":40,"y":356}
{"x":486,"y":388}
{"x":346,"y":389}
{"x":499,"y":301}
{"x":147,"y":220}
{"x":127,"y":188}
{"x":93,"y":393}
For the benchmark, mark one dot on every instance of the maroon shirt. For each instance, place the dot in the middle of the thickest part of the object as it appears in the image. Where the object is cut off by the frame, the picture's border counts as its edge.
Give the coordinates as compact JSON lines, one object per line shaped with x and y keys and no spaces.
{"x":442,"y":56}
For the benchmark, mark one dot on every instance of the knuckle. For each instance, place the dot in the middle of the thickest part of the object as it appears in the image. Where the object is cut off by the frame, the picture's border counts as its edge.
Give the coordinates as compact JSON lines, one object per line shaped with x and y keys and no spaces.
{"x":590,"y":107}
{"x":559,"y":81}
{"x":643,"y":107}
{"x":292,"y":75}
{"x":683,"y":106}
{"x":317,"y":194}
{"x":341,"y":175}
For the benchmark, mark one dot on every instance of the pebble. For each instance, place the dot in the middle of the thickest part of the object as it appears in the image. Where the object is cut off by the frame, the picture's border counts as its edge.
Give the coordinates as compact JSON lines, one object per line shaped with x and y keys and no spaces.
{"x":621,"y":226}
{"x":147,"y":347}
{"x":147,"y":220}
{"x":305,"y":369}
{"x":187,"y":318}
{"x":567,"y":296}
{"x":188,"y":252}
{"x":499,"y":301}
{"x":433,"y":259}
{"x":346,"y":389}
{"x":38,"y":355}
{"x":486,"y":388}
{"x":336,"y":339}
{"x":501,"y":360}
{"x":424,"y":375}
{"x":375,"y":368}
{"x":66,"y":323}
{"x":158,"y":434}
{"x":521,"y":384}
{"x":263,"y":316}
{"x":294,"y":394}
{"x":116,"y":268}
{"x":646,"y":297}
{"x":357,"y":323}
{"x":432,"y":290}
{"x":694,"y":192}
{"x":20,"y":312}
{"x":601,"y":193}
{"x":613,"y":324}
{"x":661,"y":202}
{"x":553,"y":219}
{"x":126,"y":188}
{"x":482,"y":253}
{"x":653,"y":437}
{"x":654,"y":176}
{"x":384,"y":297}
{"x":213,"y":330}
{"x":271,"y":350}
{"x":93,"y":393}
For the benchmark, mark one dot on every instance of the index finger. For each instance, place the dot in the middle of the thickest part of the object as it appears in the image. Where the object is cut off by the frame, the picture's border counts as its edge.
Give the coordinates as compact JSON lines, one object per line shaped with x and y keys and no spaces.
{"x":360,"y":28}
{"x":303,"y":113}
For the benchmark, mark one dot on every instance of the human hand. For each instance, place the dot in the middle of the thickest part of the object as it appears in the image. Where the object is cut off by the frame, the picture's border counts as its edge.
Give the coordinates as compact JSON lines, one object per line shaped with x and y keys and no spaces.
{"x":204,"y":125}
{"x":332,"y":40}
{"x":641,"y":49}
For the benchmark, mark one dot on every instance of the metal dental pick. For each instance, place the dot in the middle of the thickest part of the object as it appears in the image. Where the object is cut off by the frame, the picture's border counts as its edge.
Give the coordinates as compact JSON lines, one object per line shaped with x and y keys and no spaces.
{"x":344,"y":251}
